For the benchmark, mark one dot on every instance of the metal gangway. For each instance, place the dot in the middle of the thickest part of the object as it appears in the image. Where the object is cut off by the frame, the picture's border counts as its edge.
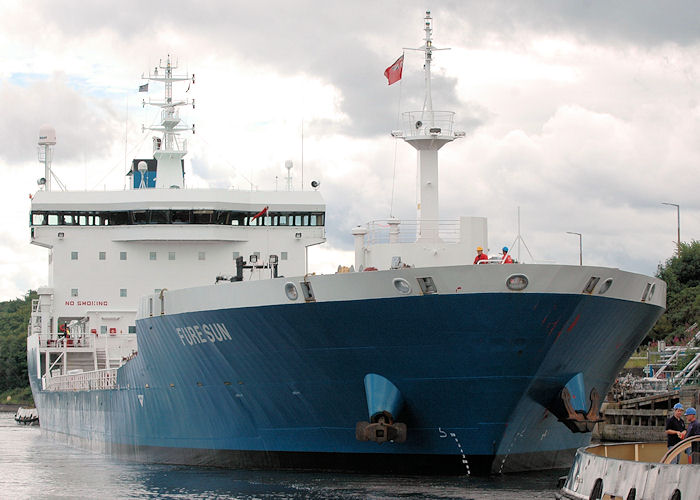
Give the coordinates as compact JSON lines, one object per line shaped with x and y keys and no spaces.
{"x":684,"y":376}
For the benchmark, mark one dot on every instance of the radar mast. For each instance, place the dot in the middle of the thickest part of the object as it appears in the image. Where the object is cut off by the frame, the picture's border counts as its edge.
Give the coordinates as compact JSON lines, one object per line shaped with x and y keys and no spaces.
{"x":169,"y":151}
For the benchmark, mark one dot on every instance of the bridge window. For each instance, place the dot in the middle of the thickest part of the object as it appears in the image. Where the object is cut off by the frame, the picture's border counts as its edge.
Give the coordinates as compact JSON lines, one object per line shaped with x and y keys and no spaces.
{"x":178,"y":216}
{"x":122,"y":292}
{"x":122,"y":255}
{"x":152,"y":255}
{"x":74,"y":256}
{"x":171,"y":255}
{"x":102,"y":256}
{"x":140,"y":216}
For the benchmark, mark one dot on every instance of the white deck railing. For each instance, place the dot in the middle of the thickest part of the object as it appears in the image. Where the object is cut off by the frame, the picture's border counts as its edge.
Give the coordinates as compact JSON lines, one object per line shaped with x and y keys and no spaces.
{"x":379,"y":231}
{"x":73,"y":340}
{"x":427,"y":123}
{"x":86,"y":381}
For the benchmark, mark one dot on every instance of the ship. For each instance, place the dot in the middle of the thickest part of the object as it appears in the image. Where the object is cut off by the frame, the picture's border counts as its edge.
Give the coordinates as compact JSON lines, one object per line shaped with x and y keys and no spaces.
{"x":182,"y":325}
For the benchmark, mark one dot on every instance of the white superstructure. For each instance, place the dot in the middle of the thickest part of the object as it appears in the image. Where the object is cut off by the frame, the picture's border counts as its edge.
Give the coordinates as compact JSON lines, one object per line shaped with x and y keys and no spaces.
{"x":109,"y":248}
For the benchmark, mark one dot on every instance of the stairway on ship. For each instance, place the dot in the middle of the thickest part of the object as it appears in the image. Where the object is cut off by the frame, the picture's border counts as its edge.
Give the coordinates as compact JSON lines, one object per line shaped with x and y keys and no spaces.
{"x":84,"y":361}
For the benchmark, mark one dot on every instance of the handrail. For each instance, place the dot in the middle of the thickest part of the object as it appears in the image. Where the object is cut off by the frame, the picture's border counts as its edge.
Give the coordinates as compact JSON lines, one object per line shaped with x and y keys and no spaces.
{"x":679,"y":448}
{"x":379,"y":231}
{"x":70,"y":342}
{"x":85,"y":381}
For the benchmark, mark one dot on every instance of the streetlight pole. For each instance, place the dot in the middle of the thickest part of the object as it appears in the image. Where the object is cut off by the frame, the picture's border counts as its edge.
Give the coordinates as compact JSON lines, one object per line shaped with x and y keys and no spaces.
{"x":678,"y":211}
{"x":580,"y":247}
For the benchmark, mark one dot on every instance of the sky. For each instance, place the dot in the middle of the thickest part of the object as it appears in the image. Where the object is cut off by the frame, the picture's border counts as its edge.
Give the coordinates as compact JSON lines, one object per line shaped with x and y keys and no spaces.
{"x":581,"y":116}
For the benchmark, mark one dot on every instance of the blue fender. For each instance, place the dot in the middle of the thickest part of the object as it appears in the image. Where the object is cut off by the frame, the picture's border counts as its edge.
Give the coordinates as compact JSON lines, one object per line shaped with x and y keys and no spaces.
{"x":382,"y":396}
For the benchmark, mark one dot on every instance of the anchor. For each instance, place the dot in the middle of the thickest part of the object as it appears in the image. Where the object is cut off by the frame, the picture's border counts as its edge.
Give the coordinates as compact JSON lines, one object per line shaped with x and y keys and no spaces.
{"x":384,"y":402}
{"x":568,"y":402}
{"x":578,"y":420}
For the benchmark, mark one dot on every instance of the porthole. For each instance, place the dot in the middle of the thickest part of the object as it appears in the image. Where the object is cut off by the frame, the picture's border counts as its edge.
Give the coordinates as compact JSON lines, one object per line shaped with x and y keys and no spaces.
{"x":402,"y":286}
{"x":651,"y":291}
{"x":291,"y":290}
{"x":517,"y":282}
{"x":605,"y":286}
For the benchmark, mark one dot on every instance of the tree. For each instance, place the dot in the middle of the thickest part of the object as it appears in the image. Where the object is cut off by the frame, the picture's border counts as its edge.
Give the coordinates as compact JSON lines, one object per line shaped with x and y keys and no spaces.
{"x":682,"y":275}
{"x":14,"y":319}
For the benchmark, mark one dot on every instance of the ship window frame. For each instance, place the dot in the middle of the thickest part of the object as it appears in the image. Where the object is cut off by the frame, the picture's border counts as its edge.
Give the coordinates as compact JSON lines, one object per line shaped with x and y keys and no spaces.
{"x":178,"y":216}
{"x":122,"y":292}
{"x":284,"y":255}
{"x":203,"y":216}
{"x":291,"y":291}
{"x":201,"y":255}
{"x":402,"y":286}
{"x":139,"y":217}
{"x":74,"y":255}
{"x":171,"y":256}
{"x":163,"y":215}
{"x":73,"y":292}
{"x":122,"y":256}
{"x":101,"y":255}
{"x":517,"y":282}
{"x":152,"y":255}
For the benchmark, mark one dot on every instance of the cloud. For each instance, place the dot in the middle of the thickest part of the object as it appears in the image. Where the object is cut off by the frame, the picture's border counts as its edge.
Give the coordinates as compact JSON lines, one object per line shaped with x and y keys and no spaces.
{"x":51,"y":100}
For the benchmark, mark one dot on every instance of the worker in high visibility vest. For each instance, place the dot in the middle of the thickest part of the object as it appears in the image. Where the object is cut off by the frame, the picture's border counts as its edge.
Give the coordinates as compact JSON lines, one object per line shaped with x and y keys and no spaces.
{"x":480,"y":255}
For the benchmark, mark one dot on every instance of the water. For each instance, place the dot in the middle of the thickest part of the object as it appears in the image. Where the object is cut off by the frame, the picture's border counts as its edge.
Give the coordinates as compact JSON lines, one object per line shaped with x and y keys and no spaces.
{"x":32,"y":466}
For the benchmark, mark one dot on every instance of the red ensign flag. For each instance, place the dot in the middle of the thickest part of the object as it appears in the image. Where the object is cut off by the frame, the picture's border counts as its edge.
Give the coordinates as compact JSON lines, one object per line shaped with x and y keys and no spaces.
{"x":260,"y":213}
{"x":393,"y":72}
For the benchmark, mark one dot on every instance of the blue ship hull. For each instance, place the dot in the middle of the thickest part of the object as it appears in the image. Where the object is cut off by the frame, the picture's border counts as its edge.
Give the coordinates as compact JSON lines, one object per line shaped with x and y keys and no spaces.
{"x":282,"y":386}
